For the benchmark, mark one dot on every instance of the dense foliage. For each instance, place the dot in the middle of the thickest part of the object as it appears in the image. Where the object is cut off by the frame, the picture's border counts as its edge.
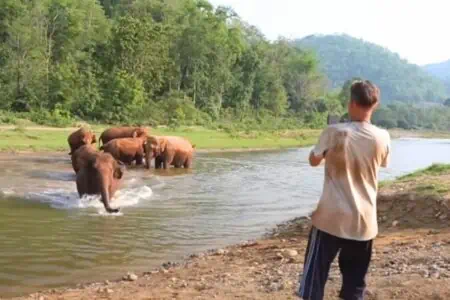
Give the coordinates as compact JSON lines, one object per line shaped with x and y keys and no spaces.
{"x":343,"y":57}
{"x":149,"y":61}
{"x":400,"y":115}
{"x":441,"y":71}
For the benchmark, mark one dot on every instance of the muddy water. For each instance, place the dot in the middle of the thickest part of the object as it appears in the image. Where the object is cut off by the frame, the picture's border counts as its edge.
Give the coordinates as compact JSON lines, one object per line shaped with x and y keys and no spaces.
{"x":51,"y":238}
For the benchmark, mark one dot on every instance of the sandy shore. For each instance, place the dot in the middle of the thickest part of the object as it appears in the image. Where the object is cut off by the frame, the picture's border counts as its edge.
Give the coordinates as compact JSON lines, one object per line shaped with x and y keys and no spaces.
{"x":411,"y":260}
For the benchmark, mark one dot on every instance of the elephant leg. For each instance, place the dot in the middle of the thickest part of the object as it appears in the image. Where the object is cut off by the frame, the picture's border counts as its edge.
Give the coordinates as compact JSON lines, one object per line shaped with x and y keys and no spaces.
{"x":139,"y":159}
{"x":168,"y":159}
{"x":177,"y":162}
{"x":158,"y":162}
{"x":188,"y":162}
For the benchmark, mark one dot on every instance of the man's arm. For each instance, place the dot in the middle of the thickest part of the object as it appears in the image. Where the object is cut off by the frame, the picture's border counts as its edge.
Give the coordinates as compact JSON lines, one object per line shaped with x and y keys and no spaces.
{"x":314,"y":160}
{"x":318,"y":153}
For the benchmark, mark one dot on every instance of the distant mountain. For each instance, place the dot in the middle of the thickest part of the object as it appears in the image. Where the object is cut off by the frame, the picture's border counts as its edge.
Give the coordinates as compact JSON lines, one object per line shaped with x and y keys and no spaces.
{"x":343,"y":57}
{"x":441,"y":71}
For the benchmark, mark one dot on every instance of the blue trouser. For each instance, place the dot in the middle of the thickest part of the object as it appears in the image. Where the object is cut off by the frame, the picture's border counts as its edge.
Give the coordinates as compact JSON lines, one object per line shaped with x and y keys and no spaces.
{"x":354,"y":260}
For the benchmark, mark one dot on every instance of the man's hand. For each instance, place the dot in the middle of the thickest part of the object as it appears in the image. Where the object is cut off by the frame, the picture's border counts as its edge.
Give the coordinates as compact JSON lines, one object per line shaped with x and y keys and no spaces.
{"x":314,"y":161}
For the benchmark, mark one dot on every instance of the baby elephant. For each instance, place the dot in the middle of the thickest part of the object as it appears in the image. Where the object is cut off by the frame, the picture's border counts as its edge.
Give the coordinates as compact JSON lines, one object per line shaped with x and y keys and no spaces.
{"x":126,"y":150}
{"x":122,"y":132}
{"x":169,"y":150}
{"x":101,"y":174}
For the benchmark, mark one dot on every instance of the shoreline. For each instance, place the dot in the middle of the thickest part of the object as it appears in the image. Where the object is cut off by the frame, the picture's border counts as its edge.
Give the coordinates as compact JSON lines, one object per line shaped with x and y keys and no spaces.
{"x":228,"y":150}
{"x":411,"y":257}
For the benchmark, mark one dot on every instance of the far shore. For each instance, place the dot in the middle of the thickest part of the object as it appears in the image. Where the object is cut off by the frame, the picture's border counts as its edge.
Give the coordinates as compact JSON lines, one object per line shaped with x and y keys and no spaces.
{"x":43,"y":139}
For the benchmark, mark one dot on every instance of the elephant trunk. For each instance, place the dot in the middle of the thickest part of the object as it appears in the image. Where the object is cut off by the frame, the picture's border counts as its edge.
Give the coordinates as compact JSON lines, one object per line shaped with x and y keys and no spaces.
{"x":148,"y":158}
{"x":105,"y":195}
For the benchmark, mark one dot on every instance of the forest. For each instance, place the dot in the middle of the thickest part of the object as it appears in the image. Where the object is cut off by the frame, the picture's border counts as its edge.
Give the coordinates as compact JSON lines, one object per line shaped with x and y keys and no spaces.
{"x":343,"y":56}
{"x":165,"y":62}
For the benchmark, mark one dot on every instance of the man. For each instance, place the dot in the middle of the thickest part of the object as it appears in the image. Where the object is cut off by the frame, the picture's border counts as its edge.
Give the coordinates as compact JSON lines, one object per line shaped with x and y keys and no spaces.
{"x":345,"y":220}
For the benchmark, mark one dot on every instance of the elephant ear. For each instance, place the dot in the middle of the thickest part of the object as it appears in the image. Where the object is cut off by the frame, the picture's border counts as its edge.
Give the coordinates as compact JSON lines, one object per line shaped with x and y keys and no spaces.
{"x":162,"y":144}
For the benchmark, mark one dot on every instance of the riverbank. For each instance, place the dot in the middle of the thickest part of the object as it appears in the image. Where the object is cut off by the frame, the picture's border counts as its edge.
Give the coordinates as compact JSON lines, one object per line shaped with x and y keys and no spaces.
{"x":411,"y":258}
{"x":39,"y":139}
{"x":45,"y":139}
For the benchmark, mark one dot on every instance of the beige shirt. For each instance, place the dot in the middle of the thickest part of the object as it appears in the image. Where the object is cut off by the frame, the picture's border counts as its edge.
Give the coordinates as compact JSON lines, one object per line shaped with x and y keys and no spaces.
{"x":353,"y":153}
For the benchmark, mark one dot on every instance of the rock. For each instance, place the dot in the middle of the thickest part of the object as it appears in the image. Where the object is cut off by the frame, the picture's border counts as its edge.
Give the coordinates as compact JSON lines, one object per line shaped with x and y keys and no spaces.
{"x":184,"y":284}
{"x":291,"y":253}
{"x":130,"y":277}
{"x":435,"y":275}
{"x":221,"y":252}
{"x":395,"y":223}
{"x":41,"y":298}
{"x":425,"y":273}
{"x":443,"y":217}
{"x":279,"y":272}
{"x":107,"y":282}
{"x":276,"y":286}
{"x":173,"y":279}
{"x":279,"y":255}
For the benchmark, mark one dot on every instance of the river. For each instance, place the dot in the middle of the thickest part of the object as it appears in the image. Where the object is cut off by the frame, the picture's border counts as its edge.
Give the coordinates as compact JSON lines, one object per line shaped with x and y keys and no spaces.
{"x":50,"y":238}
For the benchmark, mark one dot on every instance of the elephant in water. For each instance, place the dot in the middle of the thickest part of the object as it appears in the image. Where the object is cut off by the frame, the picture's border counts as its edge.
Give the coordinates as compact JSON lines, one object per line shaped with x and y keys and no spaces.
{"x":169,"y":150}
{"x":127,"y":150}
{"x":101,"y":175}
{"x":82,"y":136}
{"x":82,"y":155}
{"x":122,"y":132}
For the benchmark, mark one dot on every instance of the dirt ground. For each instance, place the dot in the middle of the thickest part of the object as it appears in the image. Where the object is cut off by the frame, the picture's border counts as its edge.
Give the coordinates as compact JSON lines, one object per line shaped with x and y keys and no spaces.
{"x":411,"y":261}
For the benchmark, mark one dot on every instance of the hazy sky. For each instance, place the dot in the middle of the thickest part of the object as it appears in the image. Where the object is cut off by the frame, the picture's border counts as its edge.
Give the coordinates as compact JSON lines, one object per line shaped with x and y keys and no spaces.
{"x":419,"y":30}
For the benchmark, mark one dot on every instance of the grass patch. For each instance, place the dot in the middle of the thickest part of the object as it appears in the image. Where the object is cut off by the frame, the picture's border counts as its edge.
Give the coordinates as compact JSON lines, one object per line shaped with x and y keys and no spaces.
{"x":433,"y":170}
{"x":21,"y":138}
{"x":427,"y":189}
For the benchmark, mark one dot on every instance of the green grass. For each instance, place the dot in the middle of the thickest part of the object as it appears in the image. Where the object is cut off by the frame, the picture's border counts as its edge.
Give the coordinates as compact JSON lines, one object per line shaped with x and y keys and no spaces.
{"x":39,"y":139}
{"x":431,"y":188}
{"x":433,"y":170}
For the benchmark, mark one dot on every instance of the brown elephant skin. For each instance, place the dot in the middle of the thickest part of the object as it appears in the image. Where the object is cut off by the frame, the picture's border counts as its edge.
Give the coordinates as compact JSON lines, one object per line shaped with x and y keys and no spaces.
{"x":126,"y":150}
{"x":82,"y":155}
{"x":169,"y":150}
{"x":101,"y":175}
{"x":122,"y":132}
{"x":80,"y":137}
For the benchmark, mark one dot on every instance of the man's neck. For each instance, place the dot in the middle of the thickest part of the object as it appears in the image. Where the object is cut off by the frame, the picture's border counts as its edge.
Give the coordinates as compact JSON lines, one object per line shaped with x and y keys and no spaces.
{"x":361,"y":119}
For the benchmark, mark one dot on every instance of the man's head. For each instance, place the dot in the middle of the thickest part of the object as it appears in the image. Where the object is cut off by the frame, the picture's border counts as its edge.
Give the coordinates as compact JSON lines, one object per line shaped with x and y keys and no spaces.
{"x":364,"y":99}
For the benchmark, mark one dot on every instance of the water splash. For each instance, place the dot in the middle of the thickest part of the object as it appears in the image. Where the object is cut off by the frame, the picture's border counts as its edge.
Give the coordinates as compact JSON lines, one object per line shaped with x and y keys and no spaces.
{"x":64,"y":199}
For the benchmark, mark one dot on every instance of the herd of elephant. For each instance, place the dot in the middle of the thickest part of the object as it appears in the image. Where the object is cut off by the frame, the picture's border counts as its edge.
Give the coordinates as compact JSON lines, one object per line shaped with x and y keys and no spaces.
{"x":100,"y":171}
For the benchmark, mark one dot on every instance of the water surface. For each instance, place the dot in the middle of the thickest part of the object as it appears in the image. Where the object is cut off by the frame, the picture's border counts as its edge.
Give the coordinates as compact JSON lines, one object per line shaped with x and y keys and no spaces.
{"x":51,"y":238}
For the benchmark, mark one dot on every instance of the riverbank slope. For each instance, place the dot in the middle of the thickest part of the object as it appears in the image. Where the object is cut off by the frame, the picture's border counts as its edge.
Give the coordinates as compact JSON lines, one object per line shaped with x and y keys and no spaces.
{"x":411,"y":258}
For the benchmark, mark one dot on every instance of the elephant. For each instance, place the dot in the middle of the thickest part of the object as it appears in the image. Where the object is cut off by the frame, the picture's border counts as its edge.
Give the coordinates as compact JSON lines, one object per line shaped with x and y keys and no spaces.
{"x":122,"y":132}
{"x":102,"y":174}
{"x":126,"y":150}
{"x":169,"y":150}
{"x":82,"y":155}
{"x":82,"y":136}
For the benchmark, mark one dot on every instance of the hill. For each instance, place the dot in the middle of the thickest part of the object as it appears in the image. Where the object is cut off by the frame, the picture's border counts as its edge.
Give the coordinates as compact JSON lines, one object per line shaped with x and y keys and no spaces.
{"x":343,"y":57}
{"x":441,"y":71}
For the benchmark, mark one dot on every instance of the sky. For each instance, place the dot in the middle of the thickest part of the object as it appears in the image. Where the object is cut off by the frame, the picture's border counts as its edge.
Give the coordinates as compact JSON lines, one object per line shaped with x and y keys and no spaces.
{"x":419,"y":30}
